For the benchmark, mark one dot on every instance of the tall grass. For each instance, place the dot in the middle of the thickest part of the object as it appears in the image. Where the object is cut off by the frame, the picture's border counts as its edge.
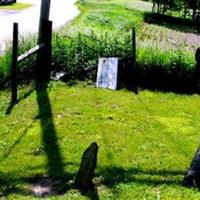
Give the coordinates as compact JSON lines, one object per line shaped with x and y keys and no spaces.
{"x":25,"y":43}
{"x":174,"y":62}
{"x":77,"y":55}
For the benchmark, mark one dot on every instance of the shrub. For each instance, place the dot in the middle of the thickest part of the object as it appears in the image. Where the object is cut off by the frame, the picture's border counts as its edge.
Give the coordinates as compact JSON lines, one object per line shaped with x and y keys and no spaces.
{"x":77,"y":55}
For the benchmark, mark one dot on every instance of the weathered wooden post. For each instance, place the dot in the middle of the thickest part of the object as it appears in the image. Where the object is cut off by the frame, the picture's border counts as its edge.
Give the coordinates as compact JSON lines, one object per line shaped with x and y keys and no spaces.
{"x":44,"y":16}
{"x":45,"y":32}
{"x":14,"y":64}
{"x":133,"y":71}
{"x":43,"y":67}
{"x":197,"y":58}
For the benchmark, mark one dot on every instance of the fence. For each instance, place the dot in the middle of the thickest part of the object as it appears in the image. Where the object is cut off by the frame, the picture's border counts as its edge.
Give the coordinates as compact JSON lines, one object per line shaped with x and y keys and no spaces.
{"x":44,"y":57}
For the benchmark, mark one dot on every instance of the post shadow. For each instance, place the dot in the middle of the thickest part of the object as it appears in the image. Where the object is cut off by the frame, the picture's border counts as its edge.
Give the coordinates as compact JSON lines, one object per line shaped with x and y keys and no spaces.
{"x":55,"y":165}
{"x":12,"y":105}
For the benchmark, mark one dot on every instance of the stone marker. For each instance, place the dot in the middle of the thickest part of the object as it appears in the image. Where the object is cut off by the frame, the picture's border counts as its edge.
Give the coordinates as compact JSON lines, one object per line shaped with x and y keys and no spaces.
{"x":85,"y":174}
{"x":192,"y":177}
{"x":107,"y":73}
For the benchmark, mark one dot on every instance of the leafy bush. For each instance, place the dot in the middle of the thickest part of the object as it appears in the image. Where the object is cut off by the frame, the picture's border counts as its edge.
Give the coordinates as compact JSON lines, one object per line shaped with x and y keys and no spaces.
{"x":173,"y":62}
{"x":79,"y":54}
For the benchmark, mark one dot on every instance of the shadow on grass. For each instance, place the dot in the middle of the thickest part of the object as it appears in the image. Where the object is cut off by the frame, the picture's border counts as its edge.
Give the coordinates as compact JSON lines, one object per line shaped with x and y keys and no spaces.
{"x":110,"y":177}
{"x":12,"y":105}
{"x":91,"y":194}
{"x":115,"y":175}
{"x":169,"y":83}
{"x":175,"y":23}
{"x":55,"y":165}
{"x":49,"y":136}
{"x":9,"y":150}
{"x":9,"y":184}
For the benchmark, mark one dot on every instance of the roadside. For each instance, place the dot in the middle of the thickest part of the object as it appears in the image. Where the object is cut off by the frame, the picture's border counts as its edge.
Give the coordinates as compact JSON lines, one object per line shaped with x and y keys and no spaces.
{"x":61,"y":12}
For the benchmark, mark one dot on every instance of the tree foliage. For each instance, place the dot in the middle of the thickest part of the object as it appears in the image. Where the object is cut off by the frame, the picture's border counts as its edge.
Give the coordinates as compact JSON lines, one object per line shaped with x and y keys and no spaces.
{"x":188,"y":9}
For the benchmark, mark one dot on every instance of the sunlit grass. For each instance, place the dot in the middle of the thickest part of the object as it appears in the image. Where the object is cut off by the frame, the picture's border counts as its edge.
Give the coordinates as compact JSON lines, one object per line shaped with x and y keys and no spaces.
{"x":146,"y":141}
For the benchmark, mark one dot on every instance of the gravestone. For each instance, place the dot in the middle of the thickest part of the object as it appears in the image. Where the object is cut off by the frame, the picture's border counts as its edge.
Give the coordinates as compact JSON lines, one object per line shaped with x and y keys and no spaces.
{"x":192,"y":177}
{"x":85,"y":174}
{"x":107,"y":73}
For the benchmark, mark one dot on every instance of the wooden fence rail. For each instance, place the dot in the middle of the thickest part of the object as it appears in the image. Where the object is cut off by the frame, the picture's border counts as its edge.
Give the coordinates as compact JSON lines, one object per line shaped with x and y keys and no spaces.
{"x":30,"y":52}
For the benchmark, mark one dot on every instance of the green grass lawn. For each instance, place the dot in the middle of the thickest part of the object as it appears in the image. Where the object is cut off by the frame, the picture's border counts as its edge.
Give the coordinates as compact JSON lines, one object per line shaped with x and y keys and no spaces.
{"x":146,"y":141}
{"x":16,"y":6}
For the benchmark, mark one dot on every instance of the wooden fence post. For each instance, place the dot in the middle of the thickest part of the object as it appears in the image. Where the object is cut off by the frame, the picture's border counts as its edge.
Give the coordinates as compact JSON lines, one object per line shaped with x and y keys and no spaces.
{"x":44,"y":59}
{"x":14,"y":64}
{"x":134,"y":68}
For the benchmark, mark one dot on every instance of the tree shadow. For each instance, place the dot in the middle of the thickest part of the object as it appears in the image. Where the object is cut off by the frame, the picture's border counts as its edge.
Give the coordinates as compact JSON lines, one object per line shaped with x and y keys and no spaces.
{"x":113,"y":176}
{"x":8,"y":185}
{"x":169,"y":83}
{"x":11,"y":184}
{"x":55,"y":165}
{"x":157,"y":79}
{"x":110,"y":177}
{"x":175,"y":23}
{"x":90,"y":194}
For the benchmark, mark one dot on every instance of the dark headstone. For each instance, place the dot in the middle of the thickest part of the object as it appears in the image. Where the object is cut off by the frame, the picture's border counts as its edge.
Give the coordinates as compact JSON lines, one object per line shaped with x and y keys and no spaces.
{"x":197,"y":58}
{"x":192,"y":177}
{"x":107,"y":73}
{"x":85,"y":174}
{"x":197,"y":55}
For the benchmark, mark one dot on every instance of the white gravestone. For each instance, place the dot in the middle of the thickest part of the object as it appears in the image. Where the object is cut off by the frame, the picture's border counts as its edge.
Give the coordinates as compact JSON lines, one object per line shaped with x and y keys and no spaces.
{"x":107,"y":73}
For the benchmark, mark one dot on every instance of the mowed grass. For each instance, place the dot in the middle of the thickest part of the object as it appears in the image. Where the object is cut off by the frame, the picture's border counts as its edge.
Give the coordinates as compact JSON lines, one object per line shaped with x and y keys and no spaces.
{"x":15,"y":6}
{"x":146,"y":141}
{"x":99,"y":16}
{"x":103,"y":16}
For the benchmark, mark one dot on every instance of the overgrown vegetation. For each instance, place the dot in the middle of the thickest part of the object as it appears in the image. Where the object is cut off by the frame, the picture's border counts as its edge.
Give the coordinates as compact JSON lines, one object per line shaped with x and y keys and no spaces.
{"x":184,"y":8}
{"x":106,"y":33}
